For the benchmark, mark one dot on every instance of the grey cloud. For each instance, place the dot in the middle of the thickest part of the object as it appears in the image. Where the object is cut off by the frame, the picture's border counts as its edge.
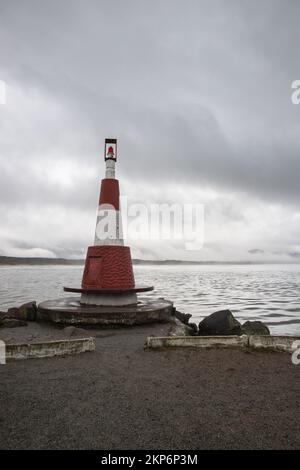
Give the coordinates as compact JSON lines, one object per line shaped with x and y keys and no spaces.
{"x":294,"y":254}
{"x":198,"y":94}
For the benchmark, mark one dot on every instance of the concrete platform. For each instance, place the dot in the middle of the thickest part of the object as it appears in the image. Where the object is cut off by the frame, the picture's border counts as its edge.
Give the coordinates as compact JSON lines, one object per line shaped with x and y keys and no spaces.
{"x":69,"y":311}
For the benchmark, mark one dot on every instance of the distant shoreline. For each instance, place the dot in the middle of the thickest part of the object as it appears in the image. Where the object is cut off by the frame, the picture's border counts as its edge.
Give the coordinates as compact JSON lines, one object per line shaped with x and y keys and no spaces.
{"x":14,"y":261}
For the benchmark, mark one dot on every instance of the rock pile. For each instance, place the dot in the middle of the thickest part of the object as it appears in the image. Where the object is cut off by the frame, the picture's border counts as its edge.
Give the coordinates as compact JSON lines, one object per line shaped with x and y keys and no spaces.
{"x":18,"y":316}
{"x":221,"y":323}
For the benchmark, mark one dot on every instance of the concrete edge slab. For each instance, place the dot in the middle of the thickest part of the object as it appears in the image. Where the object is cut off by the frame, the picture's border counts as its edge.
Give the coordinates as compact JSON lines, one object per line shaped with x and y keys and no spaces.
{"x":274,"y":343}
{"x":197,"y":341}
{"x":49,"y":348}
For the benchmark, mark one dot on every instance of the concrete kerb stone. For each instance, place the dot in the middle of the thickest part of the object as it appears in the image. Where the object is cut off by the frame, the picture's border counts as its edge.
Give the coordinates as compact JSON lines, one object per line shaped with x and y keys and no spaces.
{"x":155,"y":342}
{"x":274,"y":343}
{"x":49,"y":348}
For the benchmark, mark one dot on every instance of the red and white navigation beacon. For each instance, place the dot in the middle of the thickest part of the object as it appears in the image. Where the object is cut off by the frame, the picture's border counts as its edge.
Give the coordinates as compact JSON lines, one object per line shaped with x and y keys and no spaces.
{"x":108,"y":289}
{"x":108,"y":277}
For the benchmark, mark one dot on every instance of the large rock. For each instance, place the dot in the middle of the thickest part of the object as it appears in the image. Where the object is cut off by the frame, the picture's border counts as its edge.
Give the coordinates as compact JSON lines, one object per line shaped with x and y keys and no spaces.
{"x":183,"y":317}
{"x":220,"y":324}
{"x":27,"y":312}
{"x":255,"y":328}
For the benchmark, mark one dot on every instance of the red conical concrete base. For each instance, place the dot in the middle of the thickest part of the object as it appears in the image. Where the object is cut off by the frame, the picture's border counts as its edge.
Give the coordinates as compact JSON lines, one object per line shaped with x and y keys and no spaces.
{"x":108,"y":277}
{"x":108,"y":267}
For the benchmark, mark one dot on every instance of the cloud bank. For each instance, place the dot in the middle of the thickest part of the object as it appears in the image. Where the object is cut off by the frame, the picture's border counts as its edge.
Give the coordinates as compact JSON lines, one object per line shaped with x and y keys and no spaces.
{"x":198,"y":95}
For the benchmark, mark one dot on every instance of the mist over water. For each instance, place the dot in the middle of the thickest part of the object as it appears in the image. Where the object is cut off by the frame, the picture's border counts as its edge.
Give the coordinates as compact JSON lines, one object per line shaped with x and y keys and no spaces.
{"x":270,"y":293}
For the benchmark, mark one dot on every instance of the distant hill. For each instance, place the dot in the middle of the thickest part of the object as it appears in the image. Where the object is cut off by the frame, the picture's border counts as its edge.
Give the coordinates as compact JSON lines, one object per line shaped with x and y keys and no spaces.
{"x":10,"y":261}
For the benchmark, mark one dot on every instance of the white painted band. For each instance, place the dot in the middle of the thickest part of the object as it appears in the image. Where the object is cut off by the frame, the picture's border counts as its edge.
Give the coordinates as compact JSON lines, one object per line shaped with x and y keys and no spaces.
{"x":110,"y":169}
{"x":108,"y":228}
{"x":109,"y":299}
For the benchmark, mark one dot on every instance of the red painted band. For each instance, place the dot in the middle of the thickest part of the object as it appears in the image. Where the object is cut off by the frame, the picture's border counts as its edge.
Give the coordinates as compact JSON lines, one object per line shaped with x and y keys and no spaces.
{"x":109,"y":193}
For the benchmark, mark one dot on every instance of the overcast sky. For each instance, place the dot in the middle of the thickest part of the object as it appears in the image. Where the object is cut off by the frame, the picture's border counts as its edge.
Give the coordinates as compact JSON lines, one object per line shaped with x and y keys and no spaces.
{"x":198,"y":94}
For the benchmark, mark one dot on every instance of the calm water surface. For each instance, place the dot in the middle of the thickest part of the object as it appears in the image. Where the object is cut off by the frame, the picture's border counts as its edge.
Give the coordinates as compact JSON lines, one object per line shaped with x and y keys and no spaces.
{"x":270,"y":293}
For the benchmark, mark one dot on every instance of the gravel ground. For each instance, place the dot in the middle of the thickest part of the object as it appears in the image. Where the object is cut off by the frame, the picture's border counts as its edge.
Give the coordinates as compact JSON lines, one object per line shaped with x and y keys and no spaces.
{"x":39,"y":332}
{"x":125,"y":397}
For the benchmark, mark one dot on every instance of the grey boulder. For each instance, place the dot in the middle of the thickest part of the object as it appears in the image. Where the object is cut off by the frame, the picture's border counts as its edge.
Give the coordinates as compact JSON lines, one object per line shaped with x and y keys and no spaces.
{"x":27,"y":312}
{"x":220,"y":323}
{"x":255,"y":328}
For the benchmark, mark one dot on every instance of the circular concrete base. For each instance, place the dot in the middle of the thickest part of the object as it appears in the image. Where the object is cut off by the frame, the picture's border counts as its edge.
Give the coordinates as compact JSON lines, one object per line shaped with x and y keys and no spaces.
{"x":70,"y":311}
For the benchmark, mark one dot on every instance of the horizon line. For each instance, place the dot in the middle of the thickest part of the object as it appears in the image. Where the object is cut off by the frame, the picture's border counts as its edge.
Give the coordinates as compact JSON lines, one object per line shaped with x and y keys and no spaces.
{"x":15,"y":260}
